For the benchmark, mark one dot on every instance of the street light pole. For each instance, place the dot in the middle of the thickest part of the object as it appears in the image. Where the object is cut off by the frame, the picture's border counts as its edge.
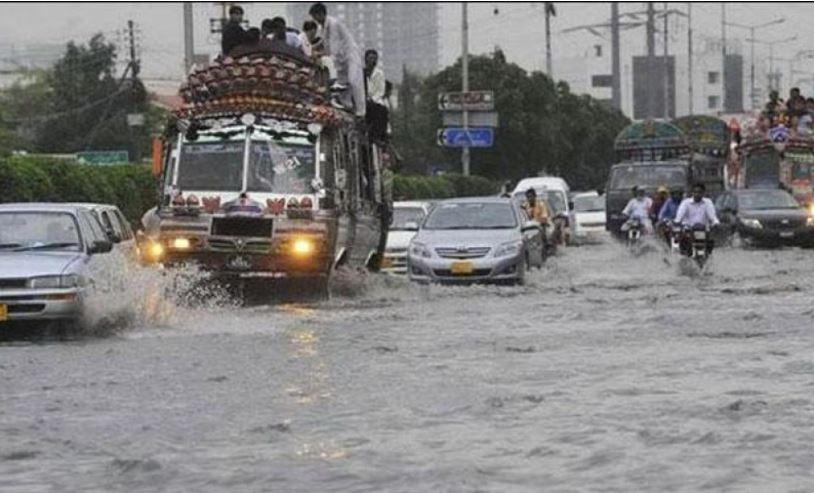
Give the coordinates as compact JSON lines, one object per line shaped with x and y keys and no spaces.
{"x":465,"y":83}
{"x":752,"y":28}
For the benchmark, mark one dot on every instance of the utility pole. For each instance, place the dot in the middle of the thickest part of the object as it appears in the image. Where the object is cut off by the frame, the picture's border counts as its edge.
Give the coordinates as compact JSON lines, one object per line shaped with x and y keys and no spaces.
{"x":134,"y":64}
{"x":651,"y":59}
{"x":189,"y":49}
{"x":666,"y":68}
{"x":723,"y":57}
{"x":465,"y":82}
{"x":752,"y":28}
{"x":549,"y":10}
{"x":689,"y":53}
{"x":616,"y":83}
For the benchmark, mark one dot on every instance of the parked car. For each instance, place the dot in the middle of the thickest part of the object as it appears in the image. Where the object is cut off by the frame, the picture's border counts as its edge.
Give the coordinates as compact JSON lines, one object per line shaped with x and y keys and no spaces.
{"x":45,"y":253}
{"x":475,"y":240}
{"x":554,"y":190}
{"x":407,"y":217}
{"x":113,"y":222}
{"x":764,"y":217}
{"x":588,"y":218}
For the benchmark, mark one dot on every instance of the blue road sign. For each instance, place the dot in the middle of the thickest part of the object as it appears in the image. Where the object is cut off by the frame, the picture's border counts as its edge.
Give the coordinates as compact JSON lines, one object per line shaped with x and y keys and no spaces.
{"x":471,"y":137}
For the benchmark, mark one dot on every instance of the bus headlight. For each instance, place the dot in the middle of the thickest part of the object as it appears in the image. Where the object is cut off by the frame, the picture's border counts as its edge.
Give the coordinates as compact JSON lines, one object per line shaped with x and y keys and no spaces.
{"x":180,"y":244}
{"x":302,"y":247}
{"x":152,"y":251}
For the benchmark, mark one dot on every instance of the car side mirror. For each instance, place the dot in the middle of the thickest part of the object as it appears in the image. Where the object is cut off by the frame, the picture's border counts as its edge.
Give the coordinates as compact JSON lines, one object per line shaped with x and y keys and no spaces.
{"x":100,"y":247}
{"x":570,"y":206}
{"x":411,"y":226}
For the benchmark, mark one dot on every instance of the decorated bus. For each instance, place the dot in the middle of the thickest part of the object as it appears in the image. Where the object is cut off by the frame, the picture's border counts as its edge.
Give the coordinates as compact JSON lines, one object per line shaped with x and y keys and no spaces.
{"x":263,"y":180}
{"x":708,"y":139}
{"x":772,"y":157}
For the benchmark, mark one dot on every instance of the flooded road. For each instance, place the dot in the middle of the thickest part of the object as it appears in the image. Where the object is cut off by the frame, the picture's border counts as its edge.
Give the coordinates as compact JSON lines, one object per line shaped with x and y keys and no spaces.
{"x":605,"y":373}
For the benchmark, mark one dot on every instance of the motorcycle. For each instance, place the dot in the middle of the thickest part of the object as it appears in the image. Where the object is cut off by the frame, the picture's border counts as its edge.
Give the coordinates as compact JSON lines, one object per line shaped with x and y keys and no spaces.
{"x":697,"y":245}
{"x":635,"y":230}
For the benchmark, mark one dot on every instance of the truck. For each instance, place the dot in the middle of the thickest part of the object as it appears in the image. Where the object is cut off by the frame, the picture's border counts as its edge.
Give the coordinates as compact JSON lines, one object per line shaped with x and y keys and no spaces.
{"x":262,"y":180}
{"x":649,"y":154}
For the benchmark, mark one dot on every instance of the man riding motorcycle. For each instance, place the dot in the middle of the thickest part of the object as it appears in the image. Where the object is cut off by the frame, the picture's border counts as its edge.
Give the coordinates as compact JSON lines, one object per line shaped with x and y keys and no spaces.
{"x":637,"y":210}
{"x":668,"y":211}
{"x":696,"y":212}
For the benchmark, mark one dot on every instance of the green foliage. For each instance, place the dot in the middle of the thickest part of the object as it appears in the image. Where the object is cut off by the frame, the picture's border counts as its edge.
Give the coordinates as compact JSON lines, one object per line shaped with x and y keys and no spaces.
{"x":543,"y":126}
{"x":78,"y":104}
{"x":37,"y":179}
{"x":412,"y":187}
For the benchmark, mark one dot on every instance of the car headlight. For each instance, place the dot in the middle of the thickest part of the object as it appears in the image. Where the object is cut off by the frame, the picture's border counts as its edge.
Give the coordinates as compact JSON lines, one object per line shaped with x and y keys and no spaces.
{"x":810,"y":222}
{"x":54,"y":282}
{"x":419,"y":250}
{"x":751,"y":223}
{"x":509,"y":249}
{"x":180,"y":244}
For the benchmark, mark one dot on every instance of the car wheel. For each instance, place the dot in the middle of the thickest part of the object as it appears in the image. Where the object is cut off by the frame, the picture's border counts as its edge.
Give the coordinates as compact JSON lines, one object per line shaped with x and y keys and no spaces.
{"x":522,"y":269}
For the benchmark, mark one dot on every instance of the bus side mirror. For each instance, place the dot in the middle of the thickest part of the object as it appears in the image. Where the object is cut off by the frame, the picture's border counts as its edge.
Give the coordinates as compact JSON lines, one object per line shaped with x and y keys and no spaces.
{"x":158,"y":156}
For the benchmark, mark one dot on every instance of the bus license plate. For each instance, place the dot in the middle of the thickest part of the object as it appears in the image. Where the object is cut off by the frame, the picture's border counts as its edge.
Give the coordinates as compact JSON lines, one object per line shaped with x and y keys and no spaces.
{"x":3,"y":313}
{"x":462,"y":268}
{"x":787,"y":234}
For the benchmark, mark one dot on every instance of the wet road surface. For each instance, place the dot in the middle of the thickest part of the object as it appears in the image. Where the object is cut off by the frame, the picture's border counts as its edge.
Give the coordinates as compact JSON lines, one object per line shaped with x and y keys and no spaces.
{"x":605,"y":373}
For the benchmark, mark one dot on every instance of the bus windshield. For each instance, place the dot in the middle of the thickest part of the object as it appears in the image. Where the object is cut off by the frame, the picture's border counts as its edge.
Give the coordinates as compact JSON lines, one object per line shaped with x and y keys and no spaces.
{"x":211,"y":166}
{"x":281,"y":167}
{"x":762,"y":168}
{"x":649,"y":177}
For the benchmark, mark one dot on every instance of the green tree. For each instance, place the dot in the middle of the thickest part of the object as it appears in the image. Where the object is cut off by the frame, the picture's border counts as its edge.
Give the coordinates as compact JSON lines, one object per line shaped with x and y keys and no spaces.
{"x":543,"y":126}
{"x":90,"y":105}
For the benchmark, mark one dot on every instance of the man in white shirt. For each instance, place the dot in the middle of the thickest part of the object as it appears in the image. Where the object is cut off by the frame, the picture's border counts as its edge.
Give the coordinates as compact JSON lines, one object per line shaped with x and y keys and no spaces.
{"x":375,"y":84}
{"x":697,"y":210}
{"x":347,"y":57}
{"x":638,"y":209}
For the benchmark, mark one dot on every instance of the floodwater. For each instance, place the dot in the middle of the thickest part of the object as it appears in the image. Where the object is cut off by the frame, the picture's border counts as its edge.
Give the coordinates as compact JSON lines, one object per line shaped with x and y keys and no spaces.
{"x":605,"y":373}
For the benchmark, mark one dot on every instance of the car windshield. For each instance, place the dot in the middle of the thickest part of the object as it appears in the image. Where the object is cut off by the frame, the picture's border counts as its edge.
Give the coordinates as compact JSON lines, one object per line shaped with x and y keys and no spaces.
{"x":589,"y":204}
{"x":649,"y":177}
{"x":402,"y":216}
{"x":769,"y":199}
{"x":472,"y":216}
{"x":762,"y":168}
{"x":211,"y":166}
{"x":286,"y":167}
{"x":556,"y":200}
{"x":40,"y":230}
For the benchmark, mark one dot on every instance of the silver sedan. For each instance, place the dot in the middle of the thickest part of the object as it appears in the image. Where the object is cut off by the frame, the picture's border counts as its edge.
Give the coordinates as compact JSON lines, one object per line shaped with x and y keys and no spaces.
{"x":45,"y":250}
{"x":475,"y":240}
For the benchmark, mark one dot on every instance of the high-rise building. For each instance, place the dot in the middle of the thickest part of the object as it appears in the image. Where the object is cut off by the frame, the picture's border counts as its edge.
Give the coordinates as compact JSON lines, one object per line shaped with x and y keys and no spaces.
{"x":404,"y":33}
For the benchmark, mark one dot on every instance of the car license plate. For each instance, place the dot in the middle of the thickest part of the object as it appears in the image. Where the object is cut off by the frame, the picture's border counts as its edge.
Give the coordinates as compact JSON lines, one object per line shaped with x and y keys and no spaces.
{"x":787,"y":234}
{"x":239,"y":263}
{"x":3,"y":313}
{"x":462,"y":268}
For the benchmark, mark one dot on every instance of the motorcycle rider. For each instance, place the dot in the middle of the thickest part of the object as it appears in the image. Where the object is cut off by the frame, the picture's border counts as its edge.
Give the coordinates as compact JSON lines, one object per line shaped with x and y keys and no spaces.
{"x":537,"y":210}
{"x":638,"y":209}
{"x":662,"y":194}
{"x":696,"y":212}
{"x":668,"y":211}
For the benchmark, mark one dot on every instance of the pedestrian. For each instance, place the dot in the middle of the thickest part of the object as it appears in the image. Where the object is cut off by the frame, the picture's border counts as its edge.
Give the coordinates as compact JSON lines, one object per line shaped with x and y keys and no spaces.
{"x":375,"y":88}
{"x":233,"y":34}
{"x":347,"y":58}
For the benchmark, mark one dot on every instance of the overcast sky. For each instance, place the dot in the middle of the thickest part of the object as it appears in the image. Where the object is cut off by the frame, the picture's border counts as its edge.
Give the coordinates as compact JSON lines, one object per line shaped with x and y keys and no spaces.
{"x":517,"y":27}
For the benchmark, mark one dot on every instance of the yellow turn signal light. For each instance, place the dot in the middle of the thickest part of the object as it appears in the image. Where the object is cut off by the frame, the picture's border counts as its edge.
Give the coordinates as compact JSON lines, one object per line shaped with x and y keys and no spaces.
{"x":181,"y":244}
{"x":302,"y":247}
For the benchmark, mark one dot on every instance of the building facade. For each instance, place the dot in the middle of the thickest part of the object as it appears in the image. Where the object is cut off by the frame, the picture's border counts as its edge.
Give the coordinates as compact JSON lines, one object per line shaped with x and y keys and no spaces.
{"x":404,"y":33}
